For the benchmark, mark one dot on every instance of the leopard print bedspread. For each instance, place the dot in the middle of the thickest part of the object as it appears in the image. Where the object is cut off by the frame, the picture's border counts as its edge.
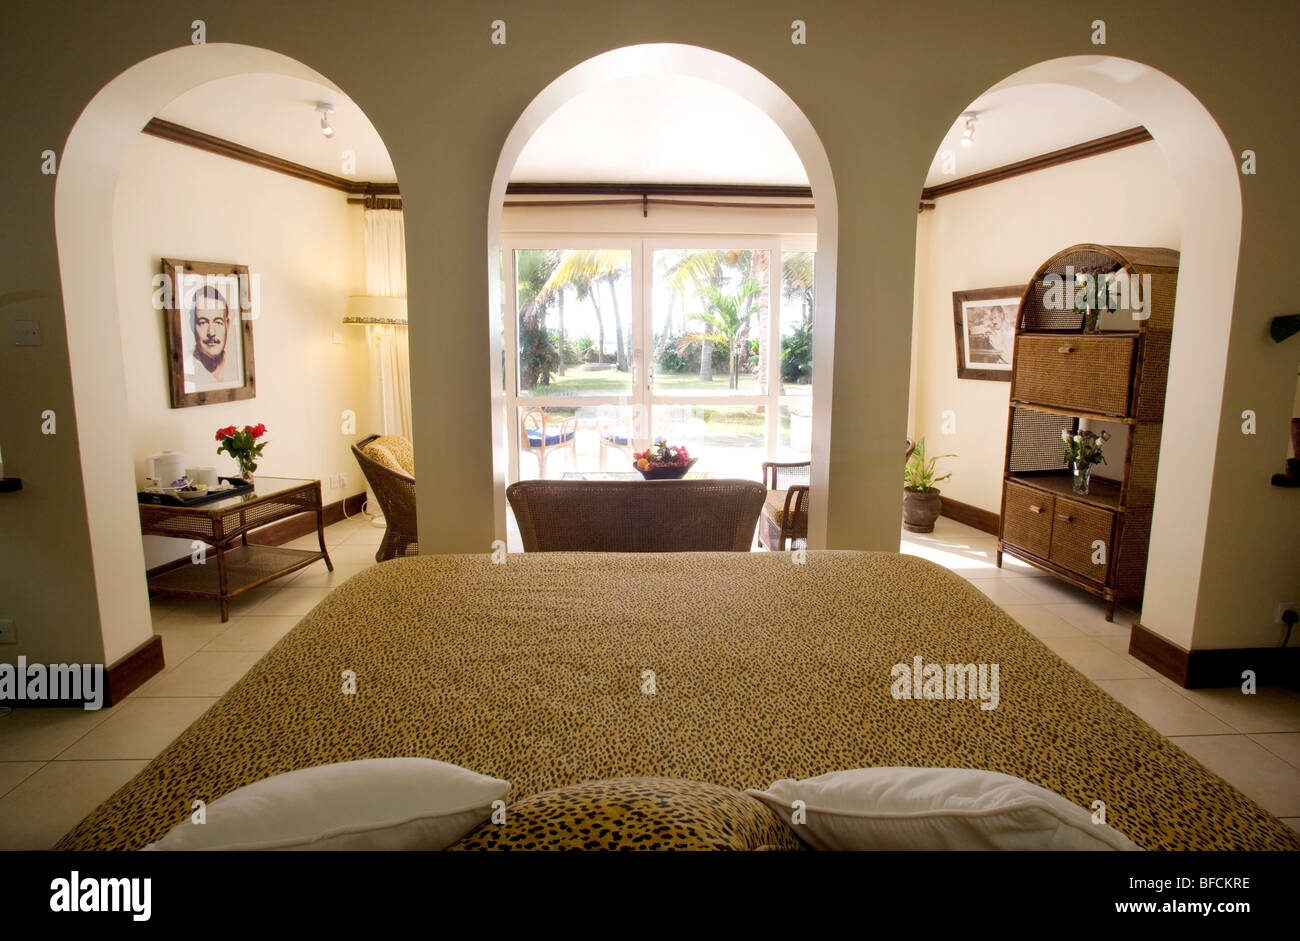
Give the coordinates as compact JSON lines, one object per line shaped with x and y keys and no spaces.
{"x":557,"y":668}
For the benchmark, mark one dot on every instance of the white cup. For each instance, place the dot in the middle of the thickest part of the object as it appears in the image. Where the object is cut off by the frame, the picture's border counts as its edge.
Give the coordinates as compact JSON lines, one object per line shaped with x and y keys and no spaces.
{"x":202,"y":475}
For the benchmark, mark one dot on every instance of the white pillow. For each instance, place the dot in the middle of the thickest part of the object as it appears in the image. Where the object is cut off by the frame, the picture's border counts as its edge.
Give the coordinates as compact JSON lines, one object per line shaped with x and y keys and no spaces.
{"x":935,"y":809}
{"x":374,"y":804}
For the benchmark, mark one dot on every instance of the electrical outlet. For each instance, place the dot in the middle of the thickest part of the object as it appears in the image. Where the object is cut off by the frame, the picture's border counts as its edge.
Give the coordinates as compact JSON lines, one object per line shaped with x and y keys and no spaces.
{"x":1282,"y":608}
{"x":27,"y":333}
{"x":343,"y":480}
{"x":7,"y":633}
{"x":334,"y":483}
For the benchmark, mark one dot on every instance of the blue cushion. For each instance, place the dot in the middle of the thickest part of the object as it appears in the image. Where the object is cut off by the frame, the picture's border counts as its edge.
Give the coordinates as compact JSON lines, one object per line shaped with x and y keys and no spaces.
{"x":535,"y":438}
{"x":617,"y":439}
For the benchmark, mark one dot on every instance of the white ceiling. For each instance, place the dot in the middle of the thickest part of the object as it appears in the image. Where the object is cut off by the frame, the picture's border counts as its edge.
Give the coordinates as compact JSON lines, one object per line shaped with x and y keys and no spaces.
{"x":663,"y":129}
{"x":1025,"y":121}
{"x":659,"y":129}
{"x":276,"y":114}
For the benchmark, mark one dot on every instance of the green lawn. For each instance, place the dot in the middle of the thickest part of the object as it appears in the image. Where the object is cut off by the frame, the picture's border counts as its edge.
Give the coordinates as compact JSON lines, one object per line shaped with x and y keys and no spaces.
{"x":611,"y":382}
{"x":719,"y":420}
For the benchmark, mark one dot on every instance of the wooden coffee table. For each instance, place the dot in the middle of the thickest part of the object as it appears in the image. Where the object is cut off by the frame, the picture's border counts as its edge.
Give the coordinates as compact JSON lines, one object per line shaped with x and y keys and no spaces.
{"x":224,"y":525}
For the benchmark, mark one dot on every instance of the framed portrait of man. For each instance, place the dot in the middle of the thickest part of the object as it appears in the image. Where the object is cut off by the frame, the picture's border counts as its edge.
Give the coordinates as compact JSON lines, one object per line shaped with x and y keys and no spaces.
{"x":985,"y":324}
{"x":210,"y":308}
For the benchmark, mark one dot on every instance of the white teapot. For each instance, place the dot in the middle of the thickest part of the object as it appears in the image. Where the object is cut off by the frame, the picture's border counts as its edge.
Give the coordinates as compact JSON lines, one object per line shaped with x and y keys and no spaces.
{"x":164,"y":468}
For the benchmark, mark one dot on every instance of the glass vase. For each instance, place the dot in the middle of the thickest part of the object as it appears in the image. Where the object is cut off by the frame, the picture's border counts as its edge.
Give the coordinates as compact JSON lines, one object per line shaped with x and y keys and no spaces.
{"x":246,"y":466}
{"x":1092,"y":320}
{"x":1082,"y":476}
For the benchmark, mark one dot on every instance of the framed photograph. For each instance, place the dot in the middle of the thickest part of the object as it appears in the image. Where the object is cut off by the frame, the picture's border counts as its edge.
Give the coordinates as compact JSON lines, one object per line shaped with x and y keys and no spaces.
{"x":210,"y":308}
{"x":985,"y":324}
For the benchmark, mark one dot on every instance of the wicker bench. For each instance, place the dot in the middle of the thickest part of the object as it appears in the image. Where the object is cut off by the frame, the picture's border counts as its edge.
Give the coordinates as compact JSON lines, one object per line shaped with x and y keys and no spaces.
{"x":636,"y":515}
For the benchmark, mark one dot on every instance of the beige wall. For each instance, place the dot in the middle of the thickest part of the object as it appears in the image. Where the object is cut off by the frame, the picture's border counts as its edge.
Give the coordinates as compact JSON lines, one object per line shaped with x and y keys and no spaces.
{"x":879,"y":85}
{"x":998,"y":235}
{"x":305,"y":244}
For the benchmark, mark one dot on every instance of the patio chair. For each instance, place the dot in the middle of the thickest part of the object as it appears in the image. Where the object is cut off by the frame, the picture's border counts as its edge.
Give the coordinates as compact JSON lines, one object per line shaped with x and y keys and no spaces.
{"x":540,"y":435}
{"x":785,"y":504}
{"x":616,"y":435}
{"x":785,"y":508}
{"x":388,"y":461}
{"x":636,"y":515}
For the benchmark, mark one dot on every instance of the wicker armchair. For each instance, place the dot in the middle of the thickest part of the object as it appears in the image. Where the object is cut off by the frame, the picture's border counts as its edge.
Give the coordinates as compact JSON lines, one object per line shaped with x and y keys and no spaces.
{"x":636,"y":515}
{"x":785,"y":505}
{"x":388,"y":461}
{"x":541,"y":435}
{"x":785,"y":508}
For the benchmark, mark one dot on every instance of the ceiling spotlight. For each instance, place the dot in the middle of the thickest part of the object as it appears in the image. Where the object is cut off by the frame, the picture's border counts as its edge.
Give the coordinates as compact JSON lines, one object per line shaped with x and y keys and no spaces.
{"x":968,"y":134}
{"x":325,"y":109}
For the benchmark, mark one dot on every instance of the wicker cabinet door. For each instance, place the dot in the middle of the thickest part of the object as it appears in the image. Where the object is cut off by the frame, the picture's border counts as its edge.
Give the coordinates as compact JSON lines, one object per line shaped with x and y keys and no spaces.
{"x":1027,"y":519}
{"x":1089,"y":373}
{"x":1076,"y":528}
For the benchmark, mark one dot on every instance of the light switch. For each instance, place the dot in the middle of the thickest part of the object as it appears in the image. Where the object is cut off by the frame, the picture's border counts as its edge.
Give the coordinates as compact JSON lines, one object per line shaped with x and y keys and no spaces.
{"x":27,"y":333}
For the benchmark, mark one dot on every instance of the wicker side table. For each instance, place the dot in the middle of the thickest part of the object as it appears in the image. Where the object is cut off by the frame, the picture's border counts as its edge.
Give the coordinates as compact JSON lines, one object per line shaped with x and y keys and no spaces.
{"x":224,"y":525}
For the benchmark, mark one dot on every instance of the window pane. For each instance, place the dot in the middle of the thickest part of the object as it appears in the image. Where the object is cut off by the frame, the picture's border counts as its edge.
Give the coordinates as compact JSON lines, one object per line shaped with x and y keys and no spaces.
{"x":575,"y":321}
{"x":714,"y":302}
{"x":729,"y":440}
{"x":797,"y":323}
{"x":586,"y":439}
{"x":795,"y":441}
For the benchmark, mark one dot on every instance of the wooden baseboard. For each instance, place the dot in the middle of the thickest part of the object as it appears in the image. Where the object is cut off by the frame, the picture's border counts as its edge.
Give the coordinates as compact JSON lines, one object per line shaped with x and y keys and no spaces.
{"x":1204,"y":669}
{"x":286,"y":530}
{"x":129,"y":673}
{"x":984,"y":520}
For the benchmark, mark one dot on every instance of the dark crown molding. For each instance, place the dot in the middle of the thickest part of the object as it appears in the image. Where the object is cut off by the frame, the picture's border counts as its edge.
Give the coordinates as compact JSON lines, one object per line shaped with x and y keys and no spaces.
{"x":179,"y":134}
{"x":1091,"y":148}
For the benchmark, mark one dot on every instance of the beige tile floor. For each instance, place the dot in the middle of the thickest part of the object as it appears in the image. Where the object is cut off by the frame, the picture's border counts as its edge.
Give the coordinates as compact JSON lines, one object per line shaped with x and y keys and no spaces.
{"x":58,"y":764}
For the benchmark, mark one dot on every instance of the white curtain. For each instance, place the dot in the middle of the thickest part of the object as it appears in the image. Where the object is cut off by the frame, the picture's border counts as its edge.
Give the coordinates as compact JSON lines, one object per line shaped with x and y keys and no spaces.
{"x":390,"y":364}
{"x":390,"y":360}
{"x":385,"y":253}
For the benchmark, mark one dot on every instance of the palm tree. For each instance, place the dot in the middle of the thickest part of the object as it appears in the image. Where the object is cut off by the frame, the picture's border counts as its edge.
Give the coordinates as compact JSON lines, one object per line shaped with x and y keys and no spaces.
{"x":584,"y":270}
{"x":700,"y":272}
{"x":537,"y":354}
{"x":727,"y":316}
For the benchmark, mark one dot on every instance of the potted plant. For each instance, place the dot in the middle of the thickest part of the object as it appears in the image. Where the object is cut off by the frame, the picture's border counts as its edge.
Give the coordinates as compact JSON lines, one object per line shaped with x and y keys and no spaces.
{"x":920,"y":496}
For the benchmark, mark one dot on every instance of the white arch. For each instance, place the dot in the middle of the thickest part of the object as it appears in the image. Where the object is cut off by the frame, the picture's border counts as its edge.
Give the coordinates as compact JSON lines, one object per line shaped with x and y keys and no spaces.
{"x":83,"y":223}
{"x":758,"y":89}
{"x":1204,"y":171}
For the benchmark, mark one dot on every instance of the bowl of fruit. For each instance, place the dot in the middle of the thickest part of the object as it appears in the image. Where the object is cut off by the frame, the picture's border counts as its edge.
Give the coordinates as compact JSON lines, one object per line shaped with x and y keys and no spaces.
{"x":663,"y":461}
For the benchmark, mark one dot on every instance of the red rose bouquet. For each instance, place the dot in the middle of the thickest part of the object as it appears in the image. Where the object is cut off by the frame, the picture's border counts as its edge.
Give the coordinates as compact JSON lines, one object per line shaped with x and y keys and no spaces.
{"x":243,"y":446}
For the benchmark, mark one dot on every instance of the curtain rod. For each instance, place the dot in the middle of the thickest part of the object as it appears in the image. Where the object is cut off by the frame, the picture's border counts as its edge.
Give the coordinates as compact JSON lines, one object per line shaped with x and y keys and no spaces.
{"x":646,"y":201}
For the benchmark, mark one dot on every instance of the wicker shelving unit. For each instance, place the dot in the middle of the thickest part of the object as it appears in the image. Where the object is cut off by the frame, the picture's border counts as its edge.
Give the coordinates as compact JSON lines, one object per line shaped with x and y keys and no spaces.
{"x":1063,"y":378}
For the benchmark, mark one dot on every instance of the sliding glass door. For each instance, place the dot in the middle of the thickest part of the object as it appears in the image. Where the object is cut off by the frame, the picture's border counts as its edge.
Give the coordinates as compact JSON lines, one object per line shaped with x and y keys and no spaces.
{"x":613,"y":343}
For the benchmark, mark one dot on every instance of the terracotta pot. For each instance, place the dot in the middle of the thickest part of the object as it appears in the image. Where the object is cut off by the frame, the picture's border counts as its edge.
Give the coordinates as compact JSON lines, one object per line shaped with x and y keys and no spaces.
{"x":920,"y":510}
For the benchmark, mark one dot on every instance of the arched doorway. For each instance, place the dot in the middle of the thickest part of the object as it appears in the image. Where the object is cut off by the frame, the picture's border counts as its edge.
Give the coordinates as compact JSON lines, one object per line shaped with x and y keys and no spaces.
{"x":90,"y":166}
{"x":720,"y":69}
{"x":1206,"y":189}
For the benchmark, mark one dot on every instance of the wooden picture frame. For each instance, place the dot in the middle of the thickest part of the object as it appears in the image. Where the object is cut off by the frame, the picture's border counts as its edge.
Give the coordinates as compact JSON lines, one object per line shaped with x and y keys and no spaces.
{"x":984,"y":322}
{"x":210,"y":308}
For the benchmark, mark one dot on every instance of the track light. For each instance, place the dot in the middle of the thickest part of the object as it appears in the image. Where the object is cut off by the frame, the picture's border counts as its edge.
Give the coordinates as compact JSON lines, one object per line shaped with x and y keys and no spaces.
{"x":325,"y":109}
{"x":968,"y":134}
